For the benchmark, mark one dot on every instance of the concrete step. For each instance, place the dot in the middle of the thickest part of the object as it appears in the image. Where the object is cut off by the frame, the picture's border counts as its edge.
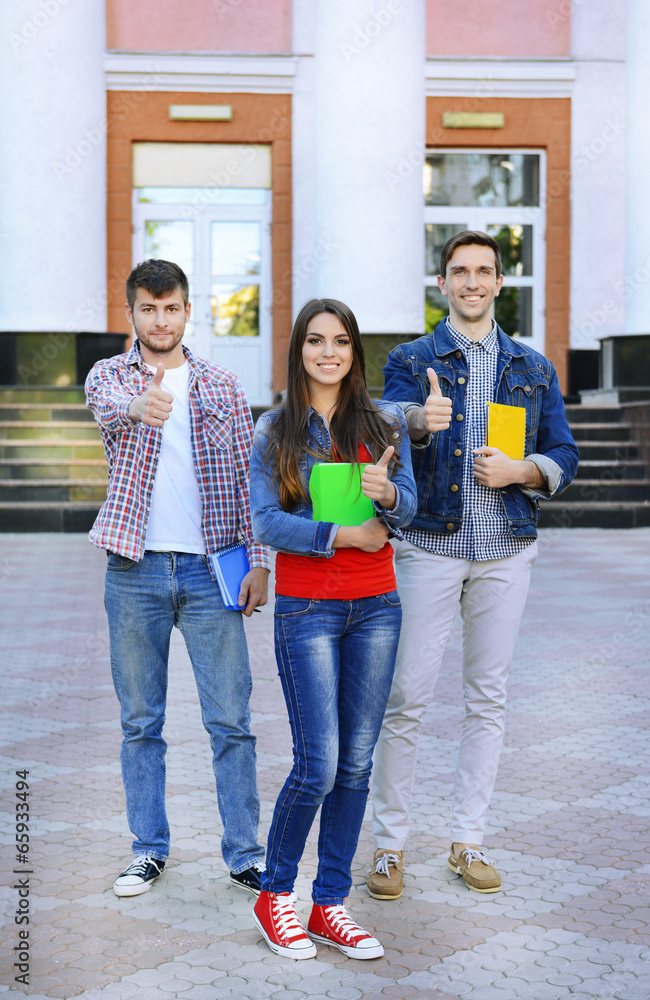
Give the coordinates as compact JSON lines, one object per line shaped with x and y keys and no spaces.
{"x":577,"y":414}
{"x":47,"y":516}
{"x":46,"y":411}
{"x":613,"y":451}
{"x":48,"y":430}
{"x":555,"y":514}
{"x":42,"y":394}
{"x":601,"y":467}
{"x":606,"y":490}
{"x":52,"y":468}
{"x":601,"y":432}
{"x":58,"y":490}
{"x":37,"y":450}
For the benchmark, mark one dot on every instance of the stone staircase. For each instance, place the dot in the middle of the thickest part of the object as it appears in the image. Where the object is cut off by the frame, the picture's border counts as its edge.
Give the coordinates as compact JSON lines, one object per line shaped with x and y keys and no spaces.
{"x":611,"y":489}
{"x":52,"y":467}
{"x":53,"y":472}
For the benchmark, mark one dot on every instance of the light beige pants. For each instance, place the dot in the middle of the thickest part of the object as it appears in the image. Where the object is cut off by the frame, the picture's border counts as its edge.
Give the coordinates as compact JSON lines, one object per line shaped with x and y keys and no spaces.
{"x":492,"y":596}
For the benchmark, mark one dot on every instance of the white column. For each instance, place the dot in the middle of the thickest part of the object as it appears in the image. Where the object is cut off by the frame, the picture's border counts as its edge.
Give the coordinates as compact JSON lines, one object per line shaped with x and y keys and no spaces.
{"x":637,"y":197}
{"x":53,"y":154}
{"x":304,"y":263}
{"x":369,"y":119}
{"x":598,"y":137}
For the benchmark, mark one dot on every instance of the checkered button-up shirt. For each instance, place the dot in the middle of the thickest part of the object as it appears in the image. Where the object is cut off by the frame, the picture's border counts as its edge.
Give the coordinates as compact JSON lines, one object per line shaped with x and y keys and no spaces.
{"x":484,"y":533}
{"x":222,"y":436}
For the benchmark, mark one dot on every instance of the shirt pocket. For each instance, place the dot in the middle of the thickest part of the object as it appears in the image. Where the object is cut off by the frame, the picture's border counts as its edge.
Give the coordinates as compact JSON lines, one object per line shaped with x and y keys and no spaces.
{"x":527,"y":389}
{"x":218,"y":425}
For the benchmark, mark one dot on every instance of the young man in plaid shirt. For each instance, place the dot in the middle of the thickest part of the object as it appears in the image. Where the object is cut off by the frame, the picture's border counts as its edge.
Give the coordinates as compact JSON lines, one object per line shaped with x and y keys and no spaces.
{"x":471,"y":544}
{"x":177,"y":432}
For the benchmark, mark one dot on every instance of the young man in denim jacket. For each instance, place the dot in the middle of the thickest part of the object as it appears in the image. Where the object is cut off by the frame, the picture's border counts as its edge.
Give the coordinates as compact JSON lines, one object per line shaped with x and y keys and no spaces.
{"x":472,"y":541}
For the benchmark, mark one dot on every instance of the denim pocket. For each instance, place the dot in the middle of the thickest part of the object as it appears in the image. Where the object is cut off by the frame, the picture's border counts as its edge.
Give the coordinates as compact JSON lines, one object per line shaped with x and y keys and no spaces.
{"x":119,"y":564}
{"x":391,"y":599}
{"x":290,"y":607}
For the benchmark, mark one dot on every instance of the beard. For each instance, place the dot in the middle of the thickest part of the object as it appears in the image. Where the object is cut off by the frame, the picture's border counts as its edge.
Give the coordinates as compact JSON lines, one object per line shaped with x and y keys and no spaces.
{"x":158,"y":345}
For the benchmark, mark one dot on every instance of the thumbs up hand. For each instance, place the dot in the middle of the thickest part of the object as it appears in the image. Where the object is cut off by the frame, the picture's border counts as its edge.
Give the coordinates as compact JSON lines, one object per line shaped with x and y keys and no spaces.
{"x":375,"y":483}
{"x":437,"y":409}
{"x":155,"y":404}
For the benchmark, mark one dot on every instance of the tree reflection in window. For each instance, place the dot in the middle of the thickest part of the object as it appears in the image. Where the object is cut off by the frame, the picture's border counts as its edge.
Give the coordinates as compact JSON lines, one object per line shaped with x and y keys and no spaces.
{"x":481,"y":179}
{"x":516,"y":243}
{"x":513,"y":311}
{"x":235,"y":310}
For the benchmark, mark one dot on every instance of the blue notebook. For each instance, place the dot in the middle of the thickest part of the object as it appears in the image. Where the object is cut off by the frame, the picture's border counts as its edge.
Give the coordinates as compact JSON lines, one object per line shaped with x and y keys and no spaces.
{"x":230,"y":566}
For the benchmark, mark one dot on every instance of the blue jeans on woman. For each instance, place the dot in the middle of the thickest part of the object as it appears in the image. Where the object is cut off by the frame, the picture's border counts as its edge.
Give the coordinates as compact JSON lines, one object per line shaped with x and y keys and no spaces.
{"x":336,"y":660}
{"x":144,"y":600}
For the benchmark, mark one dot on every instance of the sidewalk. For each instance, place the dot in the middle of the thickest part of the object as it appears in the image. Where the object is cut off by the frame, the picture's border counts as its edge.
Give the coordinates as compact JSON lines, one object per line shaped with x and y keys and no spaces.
{"x":569,"y":823}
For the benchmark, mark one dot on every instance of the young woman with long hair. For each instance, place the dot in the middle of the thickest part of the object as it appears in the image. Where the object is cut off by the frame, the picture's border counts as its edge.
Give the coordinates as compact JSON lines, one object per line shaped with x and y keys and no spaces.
{"x":337,"y":617}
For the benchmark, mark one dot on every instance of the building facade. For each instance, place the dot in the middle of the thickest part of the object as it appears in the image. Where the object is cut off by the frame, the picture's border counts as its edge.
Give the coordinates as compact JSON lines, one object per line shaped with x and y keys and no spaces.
{"x":285,"y":149}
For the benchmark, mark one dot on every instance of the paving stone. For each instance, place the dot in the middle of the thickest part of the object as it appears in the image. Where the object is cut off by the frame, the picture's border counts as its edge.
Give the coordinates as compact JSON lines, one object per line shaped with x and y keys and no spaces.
{"x":568,"y":826}
{"x":203,"y":992}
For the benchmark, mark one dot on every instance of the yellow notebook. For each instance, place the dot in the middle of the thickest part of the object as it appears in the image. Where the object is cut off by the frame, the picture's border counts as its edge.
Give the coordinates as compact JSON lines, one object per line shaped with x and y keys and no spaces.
{"x":505,"y":429}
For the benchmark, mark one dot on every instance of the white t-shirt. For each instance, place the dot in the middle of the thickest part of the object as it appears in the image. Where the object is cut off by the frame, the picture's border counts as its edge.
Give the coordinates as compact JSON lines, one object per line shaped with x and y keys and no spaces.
{"x":175,"y":513}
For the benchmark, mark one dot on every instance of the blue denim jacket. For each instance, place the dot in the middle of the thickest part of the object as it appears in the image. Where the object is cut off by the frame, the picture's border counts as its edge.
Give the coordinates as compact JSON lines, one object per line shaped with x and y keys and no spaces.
{"x":524,"y":378}
{"x":295,"y":531}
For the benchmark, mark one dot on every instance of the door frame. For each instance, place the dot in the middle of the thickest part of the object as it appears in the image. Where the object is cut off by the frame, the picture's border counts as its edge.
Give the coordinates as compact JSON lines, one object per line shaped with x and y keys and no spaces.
{"x":220,"y":349}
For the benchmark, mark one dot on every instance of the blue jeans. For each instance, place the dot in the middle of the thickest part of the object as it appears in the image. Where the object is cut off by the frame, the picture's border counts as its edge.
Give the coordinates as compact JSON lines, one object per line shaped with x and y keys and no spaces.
{"x":144,"y":600}
{"x":336,"y":660}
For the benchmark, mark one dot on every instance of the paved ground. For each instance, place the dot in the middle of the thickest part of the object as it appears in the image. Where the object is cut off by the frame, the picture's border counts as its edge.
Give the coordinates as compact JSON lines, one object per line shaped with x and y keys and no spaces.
{"x":569,"y":824}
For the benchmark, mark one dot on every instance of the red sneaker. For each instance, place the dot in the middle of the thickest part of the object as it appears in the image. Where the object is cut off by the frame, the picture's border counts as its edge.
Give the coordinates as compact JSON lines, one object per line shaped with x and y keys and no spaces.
{"x":276,"y":917}
{"x":334,"y":925}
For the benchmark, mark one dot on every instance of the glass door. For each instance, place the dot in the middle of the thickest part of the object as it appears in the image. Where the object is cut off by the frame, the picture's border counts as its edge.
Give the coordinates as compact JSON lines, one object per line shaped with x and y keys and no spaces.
{"x":224,"y":248}
{"x":499,"y":193}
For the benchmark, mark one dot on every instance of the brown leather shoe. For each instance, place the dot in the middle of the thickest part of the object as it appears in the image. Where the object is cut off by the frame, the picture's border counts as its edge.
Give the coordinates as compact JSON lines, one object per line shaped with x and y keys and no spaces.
{"x":477,"y":872}
{"x":386,"y":877}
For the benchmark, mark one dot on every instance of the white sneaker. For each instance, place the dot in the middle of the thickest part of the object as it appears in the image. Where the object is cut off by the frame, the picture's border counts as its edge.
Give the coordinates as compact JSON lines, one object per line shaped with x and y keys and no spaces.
{"x":139,"y":876}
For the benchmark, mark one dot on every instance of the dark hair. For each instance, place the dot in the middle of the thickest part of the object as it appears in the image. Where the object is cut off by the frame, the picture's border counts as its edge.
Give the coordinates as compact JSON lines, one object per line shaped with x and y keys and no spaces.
{"x":158,"y":277}
{"x":469,"y":237}
{"x":355,"y":417}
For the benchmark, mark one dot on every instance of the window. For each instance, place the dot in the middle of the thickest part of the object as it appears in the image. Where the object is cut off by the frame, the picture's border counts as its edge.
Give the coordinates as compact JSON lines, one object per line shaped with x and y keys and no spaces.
{"x":498,"y":193}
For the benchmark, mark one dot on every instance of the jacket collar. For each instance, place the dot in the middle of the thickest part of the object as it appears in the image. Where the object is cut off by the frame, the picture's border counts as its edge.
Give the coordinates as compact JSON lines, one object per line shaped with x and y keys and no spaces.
{"x":443,"y":342}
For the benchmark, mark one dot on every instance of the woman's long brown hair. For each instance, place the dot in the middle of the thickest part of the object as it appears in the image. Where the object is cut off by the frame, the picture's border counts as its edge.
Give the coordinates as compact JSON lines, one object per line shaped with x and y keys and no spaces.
{"x":355,"y":416}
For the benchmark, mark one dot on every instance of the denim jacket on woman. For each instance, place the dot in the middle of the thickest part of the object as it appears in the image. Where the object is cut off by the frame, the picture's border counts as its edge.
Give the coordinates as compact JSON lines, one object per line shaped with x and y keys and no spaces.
{"x":295,"y":531}
{"x":524,"y":378}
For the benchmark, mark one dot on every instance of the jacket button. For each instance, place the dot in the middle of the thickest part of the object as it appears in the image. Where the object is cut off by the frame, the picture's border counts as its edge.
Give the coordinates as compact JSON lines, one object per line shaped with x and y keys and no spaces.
{"x":461,"y":381}
{"x":457,"y":452}
{"x":527,"y":389}
{"x":458,"y":354}
{"x":454,"y":488}
{"x":450,"y":526}
{"x":459,"y":416}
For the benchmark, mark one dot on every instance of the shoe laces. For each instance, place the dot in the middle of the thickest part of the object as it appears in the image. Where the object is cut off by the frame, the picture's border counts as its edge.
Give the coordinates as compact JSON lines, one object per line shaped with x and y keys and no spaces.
{"x":140,"y":864}
{"x":259,"y":866}
{"x":474,"y":854}
{"x":285,"y":917}
{"x":342,"y":923}
{"x":384,"y":861}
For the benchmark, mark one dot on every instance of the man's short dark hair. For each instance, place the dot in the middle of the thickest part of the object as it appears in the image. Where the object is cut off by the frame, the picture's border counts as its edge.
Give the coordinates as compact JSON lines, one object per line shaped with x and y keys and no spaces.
{"x":158,"y":277}
{"x":469,"y":237}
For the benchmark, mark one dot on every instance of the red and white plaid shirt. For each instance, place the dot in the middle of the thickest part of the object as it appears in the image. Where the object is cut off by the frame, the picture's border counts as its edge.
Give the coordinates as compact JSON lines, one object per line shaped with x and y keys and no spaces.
{"x":222,"y":436}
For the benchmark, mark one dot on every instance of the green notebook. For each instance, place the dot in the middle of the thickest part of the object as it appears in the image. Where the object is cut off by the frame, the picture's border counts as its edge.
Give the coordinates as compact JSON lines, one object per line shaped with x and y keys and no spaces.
{"x":335,"y":491}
